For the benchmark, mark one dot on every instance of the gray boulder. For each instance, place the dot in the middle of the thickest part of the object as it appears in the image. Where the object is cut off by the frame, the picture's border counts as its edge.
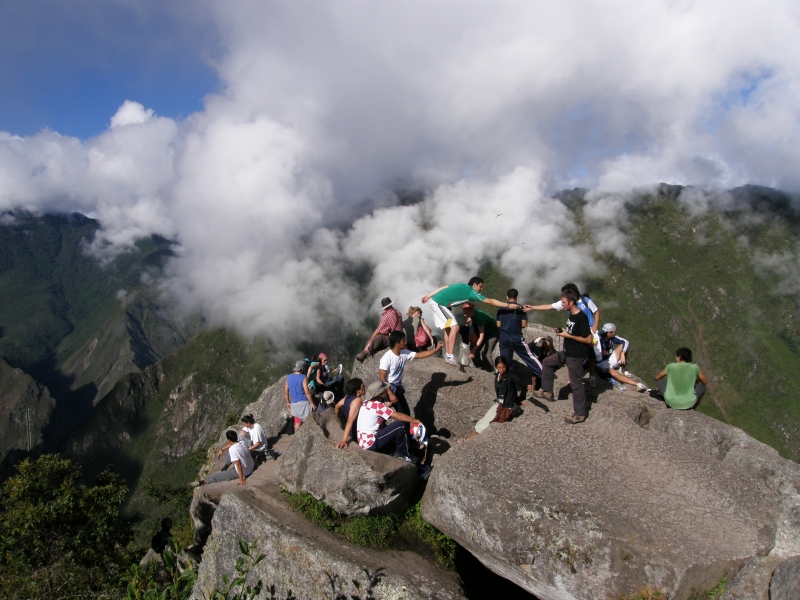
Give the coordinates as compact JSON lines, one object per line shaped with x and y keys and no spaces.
{"x":785,"y":583}
{"x":351,"y":481}
{"x":602,"y":509}
{"x":304,"y":561}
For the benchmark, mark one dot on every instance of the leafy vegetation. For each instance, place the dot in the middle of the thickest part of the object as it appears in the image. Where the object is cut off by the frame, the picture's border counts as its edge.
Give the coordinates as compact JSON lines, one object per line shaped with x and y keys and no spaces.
{"x":59,"y":539}
{"x":378,"y":532}
{"x":160,"y":580}
{"x":244,"y":564}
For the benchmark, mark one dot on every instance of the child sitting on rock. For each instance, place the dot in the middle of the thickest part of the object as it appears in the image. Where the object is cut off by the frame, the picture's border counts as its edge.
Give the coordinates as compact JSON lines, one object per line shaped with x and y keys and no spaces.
{"x":508,"y":390}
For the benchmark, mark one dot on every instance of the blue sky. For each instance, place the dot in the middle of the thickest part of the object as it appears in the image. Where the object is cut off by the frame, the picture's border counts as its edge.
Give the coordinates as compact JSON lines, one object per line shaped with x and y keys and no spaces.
{"x":68,"y":66}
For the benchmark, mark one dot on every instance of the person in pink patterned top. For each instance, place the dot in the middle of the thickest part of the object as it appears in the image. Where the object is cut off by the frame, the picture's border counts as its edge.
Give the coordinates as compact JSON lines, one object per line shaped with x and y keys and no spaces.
{"x":373,"y":432}
{"x":391,"y":320}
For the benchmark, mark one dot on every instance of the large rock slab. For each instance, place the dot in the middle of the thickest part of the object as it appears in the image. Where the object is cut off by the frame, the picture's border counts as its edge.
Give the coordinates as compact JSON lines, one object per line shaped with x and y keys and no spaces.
{"x":785,"y":583}
{"x":303,"y":561}
{"x":351,"y":480}
{"x":599,"y":510}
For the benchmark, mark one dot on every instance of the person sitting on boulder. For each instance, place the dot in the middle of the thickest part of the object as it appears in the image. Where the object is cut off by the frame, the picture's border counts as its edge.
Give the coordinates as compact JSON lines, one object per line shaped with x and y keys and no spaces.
{"x":685,"y":383}
{"x":542,"y":347}
{"x":347,"y":410}
{"x":482,"y":336}
{"x":253,"y":434}
{"x":511,"y":322}
{"x":613,"y":351}
{"x":509,"y":392}
{"x":321,"y":379}
{"x":240,"y":458}
{"x":445,"y":298}
{"x":373,"y":432}
{"x":298,"y":396}
{"x":391,"y":320}
{"x":418,"y":334}
{"x":392,"y":365}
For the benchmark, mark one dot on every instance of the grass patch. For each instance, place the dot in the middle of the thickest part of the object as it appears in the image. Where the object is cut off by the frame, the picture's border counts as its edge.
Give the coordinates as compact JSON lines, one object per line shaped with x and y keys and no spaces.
{"x":379,"y":532}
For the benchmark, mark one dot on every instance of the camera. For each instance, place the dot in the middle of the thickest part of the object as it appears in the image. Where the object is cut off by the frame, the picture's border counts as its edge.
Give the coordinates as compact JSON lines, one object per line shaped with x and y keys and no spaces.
{"x":559,"y":330}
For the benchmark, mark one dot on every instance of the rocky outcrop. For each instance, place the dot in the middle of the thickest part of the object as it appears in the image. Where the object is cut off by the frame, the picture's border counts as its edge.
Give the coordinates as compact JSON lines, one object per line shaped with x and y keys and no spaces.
{"x":351,"y":481}
{"x":303,"y":561}
{"x":785,"y":583}
{"x":608,"y":507}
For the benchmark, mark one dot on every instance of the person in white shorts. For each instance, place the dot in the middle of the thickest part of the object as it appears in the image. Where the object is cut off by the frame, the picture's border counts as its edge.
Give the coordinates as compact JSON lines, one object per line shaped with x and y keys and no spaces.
{"x":445,"y":298}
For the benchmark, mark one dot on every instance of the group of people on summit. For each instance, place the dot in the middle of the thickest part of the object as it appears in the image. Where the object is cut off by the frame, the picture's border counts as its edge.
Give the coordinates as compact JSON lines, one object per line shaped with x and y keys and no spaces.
{"x":377,"y":416}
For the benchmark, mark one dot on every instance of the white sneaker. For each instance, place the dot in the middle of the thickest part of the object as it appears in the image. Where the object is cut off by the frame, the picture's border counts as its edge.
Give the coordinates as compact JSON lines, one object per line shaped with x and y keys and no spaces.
{"x":451,"y":361}
{"x":640,"y":387}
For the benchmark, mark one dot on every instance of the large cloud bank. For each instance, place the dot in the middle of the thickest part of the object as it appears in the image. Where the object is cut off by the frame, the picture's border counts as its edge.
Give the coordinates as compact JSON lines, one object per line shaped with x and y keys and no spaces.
{"x":288,"y":177}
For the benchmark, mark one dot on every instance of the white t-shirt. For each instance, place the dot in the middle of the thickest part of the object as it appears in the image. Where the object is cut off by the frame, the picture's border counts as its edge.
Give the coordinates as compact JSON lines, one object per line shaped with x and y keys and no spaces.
{"x":257,"y":436}
{"x":239,"y":451}
{"x":395,"y":364}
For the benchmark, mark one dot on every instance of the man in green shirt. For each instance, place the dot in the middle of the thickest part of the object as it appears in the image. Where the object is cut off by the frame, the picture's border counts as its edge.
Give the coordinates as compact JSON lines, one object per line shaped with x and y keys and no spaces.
{"x":482,"y":328}
{"x":445,"y":298}
{"x":685,"y":383}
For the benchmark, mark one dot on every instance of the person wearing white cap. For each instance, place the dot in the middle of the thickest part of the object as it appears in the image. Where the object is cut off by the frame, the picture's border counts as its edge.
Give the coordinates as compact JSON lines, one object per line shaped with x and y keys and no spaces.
{"x":298,"y":396}
{"x":614,"y":350}
{"x":391,"y":320}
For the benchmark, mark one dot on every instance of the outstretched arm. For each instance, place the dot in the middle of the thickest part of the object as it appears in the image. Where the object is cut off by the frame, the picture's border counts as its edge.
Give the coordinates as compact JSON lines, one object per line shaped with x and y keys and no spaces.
{"x":401,"y":417}
{"x":501,"y":304}
{"x":433,"y":293}
{"x":430,"y":352}
{"x":528,"y":307}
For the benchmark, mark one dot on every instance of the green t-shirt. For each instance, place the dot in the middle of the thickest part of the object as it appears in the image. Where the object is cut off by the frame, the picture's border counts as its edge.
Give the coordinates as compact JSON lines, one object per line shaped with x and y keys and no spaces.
{"x":488,"y":322}
{"x":681,"y":378}
{"x":457,"y":294}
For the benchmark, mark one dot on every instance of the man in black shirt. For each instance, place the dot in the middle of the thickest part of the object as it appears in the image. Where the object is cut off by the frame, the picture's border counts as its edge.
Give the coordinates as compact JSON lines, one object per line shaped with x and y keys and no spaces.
{"x":578,"y":343}
{"x":510,"y":322}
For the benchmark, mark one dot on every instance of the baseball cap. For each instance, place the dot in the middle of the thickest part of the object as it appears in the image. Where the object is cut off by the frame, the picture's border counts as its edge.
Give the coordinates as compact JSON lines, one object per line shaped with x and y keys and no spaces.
{"x":299,"y":366}
{"x":609,"y":327}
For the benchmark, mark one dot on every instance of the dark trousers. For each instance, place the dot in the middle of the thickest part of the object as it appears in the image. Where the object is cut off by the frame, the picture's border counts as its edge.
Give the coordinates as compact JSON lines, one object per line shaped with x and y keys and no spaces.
{"x":699,"y":388}
{"x":402,"y":404}
{"x":378,"y":343}
{"x":575,"y":371}
{"x":523,"y":351}
{"x":391,"y":439}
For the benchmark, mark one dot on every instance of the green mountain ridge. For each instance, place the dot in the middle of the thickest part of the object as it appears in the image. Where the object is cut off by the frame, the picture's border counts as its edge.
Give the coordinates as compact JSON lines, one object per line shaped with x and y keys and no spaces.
{"x":72,"y":324}
{"x":694,"y":281}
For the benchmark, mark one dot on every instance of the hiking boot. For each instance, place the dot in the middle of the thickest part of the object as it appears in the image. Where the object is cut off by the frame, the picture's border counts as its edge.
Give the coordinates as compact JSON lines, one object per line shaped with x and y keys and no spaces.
{"x":361,"y":356}
{"x":574,"y":419}
{"x":274,"y":454}
{"x":194,"y":484}
{"x":640,"y":387}
{"x":451,"y":361}
{"x":592,"y":382}
{"x":549,"y":396}
{"x":409,"y":459}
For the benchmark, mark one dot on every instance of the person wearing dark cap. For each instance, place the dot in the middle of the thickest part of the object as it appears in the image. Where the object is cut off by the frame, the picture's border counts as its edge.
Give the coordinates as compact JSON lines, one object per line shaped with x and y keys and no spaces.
{"x":373,"y":432}
{"x":298,"y":396}
{"x":391,"y":320}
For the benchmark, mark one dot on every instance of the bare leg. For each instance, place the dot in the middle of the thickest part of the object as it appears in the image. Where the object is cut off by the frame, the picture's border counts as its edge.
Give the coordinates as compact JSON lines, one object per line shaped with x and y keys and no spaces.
{"x":450,"y":336}
{"x":621,"y":378}
{"x":618,"y":354}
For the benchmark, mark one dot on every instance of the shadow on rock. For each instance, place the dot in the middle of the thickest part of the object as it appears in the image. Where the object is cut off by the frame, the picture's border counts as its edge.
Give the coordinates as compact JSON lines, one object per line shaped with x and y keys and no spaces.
{"x":424,"y":408}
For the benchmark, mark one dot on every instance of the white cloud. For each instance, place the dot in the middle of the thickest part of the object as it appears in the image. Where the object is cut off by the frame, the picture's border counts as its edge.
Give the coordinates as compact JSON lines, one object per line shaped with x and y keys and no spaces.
{"x":327,"y":109}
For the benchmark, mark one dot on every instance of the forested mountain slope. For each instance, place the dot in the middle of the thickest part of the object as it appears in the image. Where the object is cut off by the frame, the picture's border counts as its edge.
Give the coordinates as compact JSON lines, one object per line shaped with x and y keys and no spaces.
{"x":72,"y":323}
